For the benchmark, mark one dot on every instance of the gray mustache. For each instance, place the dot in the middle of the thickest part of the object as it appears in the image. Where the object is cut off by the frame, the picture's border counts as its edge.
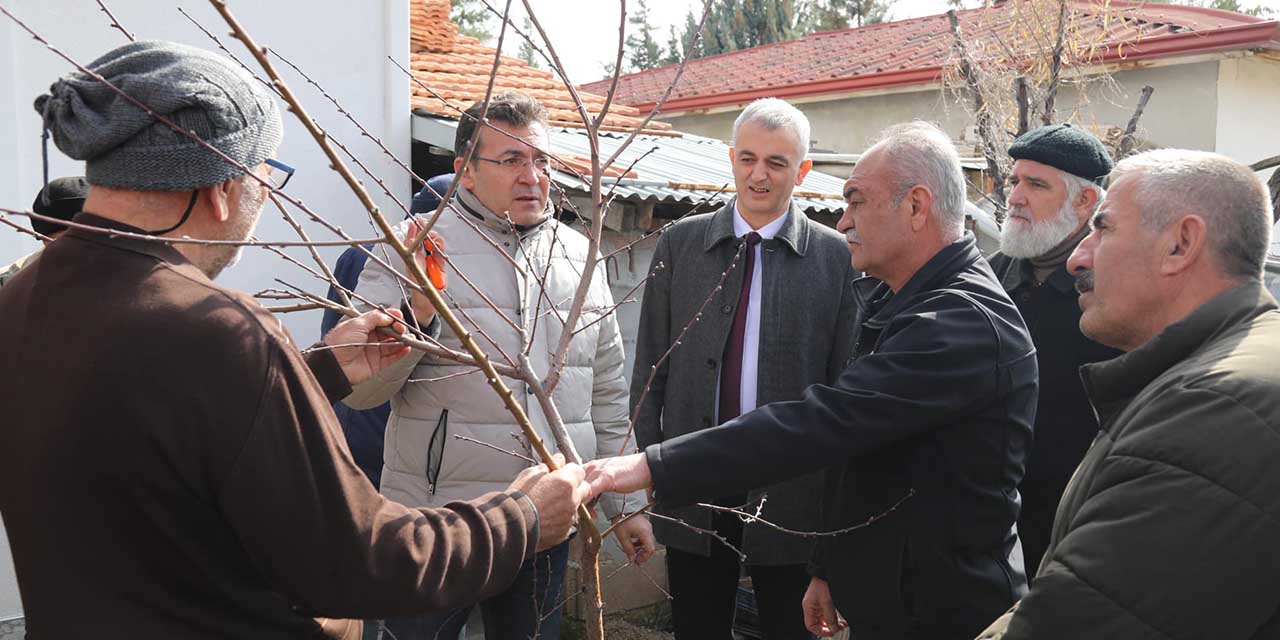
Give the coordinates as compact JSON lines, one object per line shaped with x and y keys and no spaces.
{"x":1084,"y":281}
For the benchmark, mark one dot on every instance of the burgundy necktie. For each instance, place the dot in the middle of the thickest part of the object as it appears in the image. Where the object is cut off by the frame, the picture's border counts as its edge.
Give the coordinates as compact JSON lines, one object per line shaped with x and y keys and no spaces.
{"x":731,"y":367}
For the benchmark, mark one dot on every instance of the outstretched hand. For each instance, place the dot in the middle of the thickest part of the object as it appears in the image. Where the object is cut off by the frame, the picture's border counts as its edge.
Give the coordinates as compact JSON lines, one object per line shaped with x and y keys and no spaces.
{"x":361,"y":350}
{"x":619,"y":474}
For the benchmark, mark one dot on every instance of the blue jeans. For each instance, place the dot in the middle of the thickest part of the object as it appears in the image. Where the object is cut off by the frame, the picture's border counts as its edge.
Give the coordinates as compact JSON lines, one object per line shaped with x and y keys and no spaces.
{"x":529,"y":609}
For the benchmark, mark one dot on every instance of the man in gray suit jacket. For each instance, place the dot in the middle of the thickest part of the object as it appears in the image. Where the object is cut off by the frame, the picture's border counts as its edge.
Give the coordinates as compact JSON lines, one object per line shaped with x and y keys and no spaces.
{"x":782,"y":321}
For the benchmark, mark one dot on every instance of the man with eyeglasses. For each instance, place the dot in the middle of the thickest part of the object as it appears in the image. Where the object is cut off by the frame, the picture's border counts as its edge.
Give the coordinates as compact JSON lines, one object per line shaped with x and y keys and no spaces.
{"x":172,"y":466}
{"x":513,"y":270}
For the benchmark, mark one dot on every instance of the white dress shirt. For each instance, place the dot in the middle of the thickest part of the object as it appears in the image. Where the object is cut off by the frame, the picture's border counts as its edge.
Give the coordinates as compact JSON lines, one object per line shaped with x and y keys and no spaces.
{"x":751,"y":336}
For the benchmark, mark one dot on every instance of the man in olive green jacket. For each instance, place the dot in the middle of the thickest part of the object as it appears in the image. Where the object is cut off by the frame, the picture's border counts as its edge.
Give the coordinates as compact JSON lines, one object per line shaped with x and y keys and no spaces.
{"x":1169,"y":528}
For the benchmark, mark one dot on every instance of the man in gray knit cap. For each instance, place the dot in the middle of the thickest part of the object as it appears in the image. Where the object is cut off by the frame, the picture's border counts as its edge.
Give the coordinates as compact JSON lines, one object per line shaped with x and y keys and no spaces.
{"x":172,"y":464}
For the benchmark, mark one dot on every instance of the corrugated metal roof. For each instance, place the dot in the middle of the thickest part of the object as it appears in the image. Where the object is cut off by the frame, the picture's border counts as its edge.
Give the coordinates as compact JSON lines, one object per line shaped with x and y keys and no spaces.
{"x":684,"y":168}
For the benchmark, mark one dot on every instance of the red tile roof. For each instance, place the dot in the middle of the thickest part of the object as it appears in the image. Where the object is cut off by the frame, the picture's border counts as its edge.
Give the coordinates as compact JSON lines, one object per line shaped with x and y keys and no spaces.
{"x":456,"y":67}
{"x":916,"y":51}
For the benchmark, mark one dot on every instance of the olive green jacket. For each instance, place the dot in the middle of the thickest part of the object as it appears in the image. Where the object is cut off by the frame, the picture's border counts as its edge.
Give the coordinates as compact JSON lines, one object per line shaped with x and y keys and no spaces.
{"x":1170,"y":527}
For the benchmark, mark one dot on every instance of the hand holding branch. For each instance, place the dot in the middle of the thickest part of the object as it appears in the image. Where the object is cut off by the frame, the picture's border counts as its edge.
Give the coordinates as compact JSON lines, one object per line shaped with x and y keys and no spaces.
{"x":556,"y":495}
{"x":363,"y":348}
{"x":619,"y":474}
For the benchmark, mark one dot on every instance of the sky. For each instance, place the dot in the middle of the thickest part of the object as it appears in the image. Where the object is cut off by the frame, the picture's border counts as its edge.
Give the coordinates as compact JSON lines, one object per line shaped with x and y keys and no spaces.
{"x":585,"y":33}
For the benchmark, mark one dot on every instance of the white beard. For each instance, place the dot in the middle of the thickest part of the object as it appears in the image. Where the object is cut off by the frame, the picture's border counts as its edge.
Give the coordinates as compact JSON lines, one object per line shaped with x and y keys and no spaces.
{"x":1029,"y":241}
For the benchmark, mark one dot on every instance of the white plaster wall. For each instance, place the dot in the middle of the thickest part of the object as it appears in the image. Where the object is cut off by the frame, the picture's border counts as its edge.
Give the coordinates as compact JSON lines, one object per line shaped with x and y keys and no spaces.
{"x":1182,"y":112}
{"x":342,"y":45}
{"x":1248,"y":92}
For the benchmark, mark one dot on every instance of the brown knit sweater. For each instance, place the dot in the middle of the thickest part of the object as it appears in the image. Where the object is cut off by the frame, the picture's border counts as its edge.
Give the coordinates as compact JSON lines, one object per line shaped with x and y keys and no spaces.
{"x":170,"y":467}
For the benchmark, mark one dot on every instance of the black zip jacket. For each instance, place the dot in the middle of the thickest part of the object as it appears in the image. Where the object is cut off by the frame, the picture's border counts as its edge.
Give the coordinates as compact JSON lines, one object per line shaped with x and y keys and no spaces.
{"x":927,"y":427}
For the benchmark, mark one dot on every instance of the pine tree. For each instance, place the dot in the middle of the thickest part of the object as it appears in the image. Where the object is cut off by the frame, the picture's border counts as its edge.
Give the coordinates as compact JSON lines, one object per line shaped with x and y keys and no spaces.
{"x":675,"y":48}
{"x":829,"y":15}
{"x":643,"y":51}
{"x":472,"y":18}
{"x":527,"y":51}
{"x":741,"y":24}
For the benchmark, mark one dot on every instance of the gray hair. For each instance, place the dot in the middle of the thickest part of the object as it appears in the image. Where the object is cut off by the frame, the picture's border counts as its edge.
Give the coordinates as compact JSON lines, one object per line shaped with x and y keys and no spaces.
{"x":1232,"y":200}
{"x":920,"y":153}
{"x":774,"y":114}
{"x":1076,"y":185}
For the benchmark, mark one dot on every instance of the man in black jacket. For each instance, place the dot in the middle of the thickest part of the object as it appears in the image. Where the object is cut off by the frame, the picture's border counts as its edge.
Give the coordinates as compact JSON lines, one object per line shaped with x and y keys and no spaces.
{"x":1054,"y":191}
{"x":922,"y":436}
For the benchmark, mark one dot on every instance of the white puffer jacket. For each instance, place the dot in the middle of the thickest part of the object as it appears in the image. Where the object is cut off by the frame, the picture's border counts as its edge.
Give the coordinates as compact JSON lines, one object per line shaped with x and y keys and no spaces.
{"x":424,"y":463}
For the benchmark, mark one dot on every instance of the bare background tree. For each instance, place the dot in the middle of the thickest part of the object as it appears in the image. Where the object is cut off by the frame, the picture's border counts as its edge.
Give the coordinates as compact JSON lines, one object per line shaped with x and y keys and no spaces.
{"x":1012,"y":82}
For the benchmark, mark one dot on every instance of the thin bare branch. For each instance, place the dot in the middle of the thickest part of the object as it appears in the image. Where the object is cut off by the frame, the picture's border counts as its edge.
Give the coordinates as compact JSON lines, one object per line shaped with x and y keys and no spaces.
{"x":315,"y":255}
{"x":303,"y":306}
{"x":657,"y":108}
{"x":115,"y":24}
{"x":969,"y":70}
{"x":749,"y":517}
{"x":1051,"y":93}
{"x":1127,"y":138}
{"x":406,"y":254}
{"x":1024,"y":105}
{"x":697,"y":317}
{"x":496,"y":448}
{"x":475,"y":136}
{"x":626,"y":299}
{"x":21,"y":229}
{"x":559,"y":70}
{"x":617,"y":64}
{"x":186,"y":240}
{"x":617,"y":523}
{"x":350,"y":118}
{"x":444,"y":377}
{"x":564,"y":166}
{"x":609,"y":196}
{"x":742,"y":557}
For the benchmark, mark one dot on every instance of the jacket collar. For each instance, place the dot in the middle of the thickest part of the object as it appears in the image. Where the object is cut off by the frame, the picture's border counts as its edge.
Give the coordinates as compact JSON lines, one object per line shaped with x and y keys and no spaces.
{"x":1112,"y":383}
{"x":471,"y":205}
{"x":880,"y":304}
{"x":155,"y":248}
{"x":794,"y":232}
{"x":1021,"y":274}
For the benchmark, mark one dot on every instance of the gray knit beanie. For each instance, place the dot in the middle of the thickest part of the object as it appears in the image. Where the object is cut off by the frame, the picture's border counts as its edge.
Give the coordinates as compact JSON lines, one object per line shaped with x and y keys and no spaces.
{"x":125,"y":148}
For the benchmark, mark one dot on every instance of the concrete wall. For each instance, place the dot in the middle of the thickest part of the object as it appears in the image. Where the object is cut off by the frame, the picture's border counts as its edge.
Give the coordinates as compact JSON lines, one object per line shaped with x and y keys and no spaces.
{"x":342,"y":45}
{"x":1248,"y":93}
{"x":1182,"y":112}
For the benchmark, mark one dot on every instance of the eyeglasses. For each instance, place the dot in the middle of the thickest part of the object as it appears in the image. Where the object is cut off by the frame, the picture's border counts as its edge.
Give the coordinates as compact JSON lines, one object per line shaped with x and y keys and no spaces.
{"x":280,"y":173}
{"x":515,"y":164}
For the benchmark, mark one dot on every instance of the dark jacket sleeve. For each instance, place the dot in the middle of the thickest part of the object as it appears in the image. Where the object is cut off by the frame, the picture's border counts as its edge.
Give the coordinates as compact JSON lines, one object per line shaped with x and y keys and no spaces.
{"x":329,"y":543}
{"x":846,"y":327}
{"x":653,"y":340}
{"x":1166,"y":544}
{"x":842,"y":350}
{"x":936,"y":360}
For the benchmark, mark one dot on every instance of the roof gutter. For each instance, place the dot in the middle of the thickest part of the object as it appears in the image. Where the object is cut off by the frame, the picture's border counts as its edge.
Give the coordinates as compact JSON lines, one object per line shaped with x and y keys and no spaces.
{"x":1260,"y":34}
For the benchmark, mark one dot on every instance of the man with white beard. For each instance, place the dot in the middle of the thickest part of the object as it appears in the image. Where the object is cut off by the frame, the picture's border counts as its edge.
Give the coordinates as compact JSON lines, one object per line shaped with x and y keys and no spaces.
{"x":1054,"y":192}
